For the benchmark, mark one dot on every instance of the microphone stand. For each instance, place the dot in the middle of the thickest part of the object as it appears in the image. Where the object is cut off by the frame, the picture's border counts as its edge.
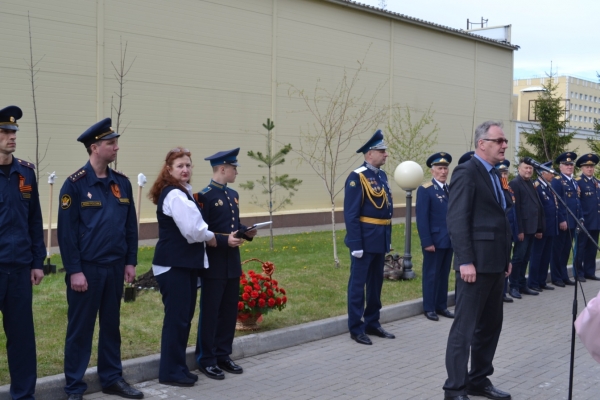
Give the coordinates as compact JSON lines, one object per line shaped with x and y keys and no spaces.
{"x":580,"y":228}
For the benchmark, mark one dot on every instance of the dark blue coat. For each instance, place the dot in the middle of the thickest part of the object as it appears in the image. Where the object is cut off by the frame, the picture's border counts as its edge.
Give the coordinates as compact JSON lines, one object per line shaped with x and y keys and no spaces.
{"x":568,"y":191}
{"x":590,"y":202}
{"x":511,"y":214}
{"x":432,"y":208}
{"x":550,"y":205}
{"x":367,"y":236}
{"x":97,"y":224}
{"x":221,"y":211}
{"x":21,"y":230}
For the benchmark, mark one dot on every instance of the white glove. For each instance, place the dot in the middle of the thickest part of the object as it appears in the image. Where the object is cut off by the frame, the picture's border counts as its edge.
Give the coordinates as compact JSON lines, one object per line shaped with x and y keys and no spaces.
{"x":141,"y":179}
{"x":357,"y":253}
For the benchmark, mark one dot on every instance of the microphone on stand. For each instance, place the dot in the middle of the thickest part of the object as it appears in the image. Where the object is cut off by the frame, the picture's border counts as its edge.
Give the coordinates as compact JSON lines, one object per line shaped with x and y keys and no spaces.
{"x":537,"y":165}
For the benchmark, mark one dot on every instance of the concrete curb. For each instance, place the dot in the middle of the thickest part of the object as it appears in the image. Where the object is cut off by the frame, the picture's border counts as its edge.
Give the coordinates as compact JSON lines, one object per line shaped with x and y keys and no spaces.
{"x":146,"y":368}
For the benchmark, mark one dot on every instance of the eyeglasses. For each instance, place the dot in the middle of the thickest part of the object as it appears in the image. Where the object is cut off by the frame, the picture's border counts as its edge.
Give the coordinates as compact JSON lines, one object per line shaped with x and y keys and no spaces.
{"x":497,"y":141}
{"x":179,"y":150}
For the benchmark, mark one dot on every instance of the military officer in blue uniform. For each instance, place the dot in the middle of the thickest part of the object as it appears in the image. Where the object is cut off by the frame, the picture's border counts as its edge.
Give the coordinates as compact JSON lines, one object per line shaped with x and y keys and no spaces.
{"x":432,"y":207}
{"x":98,"y":239}
{"x":541,"y":249}
{"x":22,"y":254}
{"x":221,"y":280}
{"x":511,"y":214}
{"x":368,"y":210}
{"x":590,"y":206}
{"x":567,"y":189}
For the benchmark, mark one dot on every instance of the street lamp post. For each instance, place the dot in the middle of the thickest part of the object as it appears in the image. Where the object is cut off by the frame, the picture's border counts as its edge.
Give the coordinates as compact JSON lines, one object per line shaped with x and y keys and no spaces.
{"x":408,"y":175}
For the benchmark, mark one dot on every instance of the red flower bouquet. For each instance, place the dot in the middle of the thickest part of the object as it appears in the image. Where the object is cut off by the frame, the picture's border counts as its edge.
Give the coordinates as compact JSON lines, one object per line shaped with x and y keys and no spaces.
{"x":260,"y":293}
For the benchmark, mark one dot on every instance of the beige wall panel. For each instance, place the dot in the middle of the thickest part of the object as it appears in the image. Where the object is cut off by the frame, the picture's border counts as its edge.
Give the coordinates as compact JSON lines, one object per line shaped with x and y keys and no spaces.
{"x":432,"y":40}
{"x":77,"y":12}
{"x":494,"y":55}
{"x":494,"y":78}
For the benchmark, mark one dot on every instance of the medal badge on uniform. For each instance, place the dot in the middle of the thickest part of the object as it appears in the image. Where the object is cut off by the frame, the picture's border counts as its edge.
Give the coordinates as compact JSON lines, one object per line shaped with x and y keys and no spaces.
{"x":89,"y":195}
{"x":115,"y":190}
{"x":65,"y":201}
{"x":220,"y":202}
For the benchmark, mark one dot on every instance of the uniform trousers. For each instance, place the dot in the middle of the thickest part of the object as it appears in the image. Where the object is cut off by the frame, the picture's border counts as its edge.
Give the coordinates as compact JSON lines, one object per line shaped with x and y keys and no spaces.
{"x":17,"y":318}
{"x":102,"y":299}
{"x":476,"y":327}
{"x":218,"y":314}
{"x":365,"y":271}
{"x":587,"y":254}
{"x":541,"y":252}
{"x":520,"y":259}
{"x":179,"y":288}
{"x":436,"y":269}
{"x":560,"y":255}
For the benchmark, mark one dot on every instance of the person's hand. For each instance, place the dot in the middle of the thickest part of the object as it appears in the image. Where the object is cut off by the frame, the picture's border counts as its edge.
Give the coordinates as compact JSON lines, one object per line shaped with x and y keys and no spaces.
{"x":232,"y":241}
{"x":563,"y":226}
{"x":129,"y":273}
{"x":36,"y":276}
{"x":357,"y":253}
{"x":538,"y":235}
{"x":521,"y":236}
{"x":430,"y":248}
{"x":507,"y":273}
{"x":468,"y":273}
{"x":78,"y":282}
{"x":212,"y":242}
{"x":251,"y":233}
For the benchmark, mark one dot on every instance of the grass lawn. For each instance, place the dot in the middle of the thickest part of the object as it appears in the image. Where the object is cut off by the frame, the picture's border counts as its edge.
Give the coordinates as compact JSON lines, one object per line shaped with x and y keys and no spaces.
{"x":304,"y":267}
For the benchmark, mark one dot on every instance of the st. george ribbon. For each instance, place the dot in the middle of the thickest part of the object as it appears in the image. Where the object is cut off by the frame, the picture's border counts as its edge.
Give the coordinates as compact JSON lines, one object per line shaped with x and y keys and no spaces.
{"x":537,"y":165}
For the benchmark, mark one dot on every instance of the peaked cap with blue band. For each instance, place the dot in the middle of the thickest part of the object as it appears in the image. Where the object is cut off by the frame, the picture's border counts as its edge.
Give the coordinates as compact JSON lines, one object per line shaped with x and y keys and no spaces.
{"x":466,"y":157}
{"x":101,"y":130}
{"x":375,"y":143}
{"x":224,"y":157}
{"x":547,"y":164}
{"x":587,"y":159}
{"x":566,"y":158}
{"x":9,"y":116}
{"x":503,"y":165}
{"x":439,"y":159}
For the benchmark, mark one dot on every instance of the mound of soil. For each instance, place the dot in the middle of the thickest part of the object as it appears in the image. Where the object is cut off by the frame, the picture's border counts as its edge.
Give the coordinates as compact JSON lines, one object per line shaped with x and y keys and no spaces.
{"x":146,"y":281}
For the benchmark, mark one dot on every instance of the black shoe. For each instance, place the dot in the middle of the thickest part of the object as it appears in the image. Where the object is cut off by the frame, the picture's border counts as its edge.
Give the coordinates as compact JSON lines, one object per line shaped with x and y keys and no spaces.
{"x":507,"y":299}
{"x":593,"y":278}
{"x":123,"y":389}
{"x":515,"y":293}
{"x":193,"y":377}
{"x":445,"y":313}
{"x":230,"y":366}
{"x":547,"y":287}
{"x":431,"y":316}
{"x":186,"y":382}
{"x":490,"y":392}
{"x":361,"y":338}
{"x":537,"y":289}
{"x":212,"y":372}
{"x":382,"y":333}
{"x":459,"y":397}
{"x":569,"y":282}
{"x":559,"y":284}
{"x":581,"y":279}
{"x":528,"y":291}
{"x":75,"y":396}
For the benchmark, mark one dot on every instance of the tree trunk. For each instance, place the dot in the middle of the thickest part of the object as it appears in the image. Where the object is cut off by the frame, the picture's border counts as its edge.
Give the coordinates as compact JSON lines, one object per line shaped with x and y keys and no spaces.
{"x":335,"y":253}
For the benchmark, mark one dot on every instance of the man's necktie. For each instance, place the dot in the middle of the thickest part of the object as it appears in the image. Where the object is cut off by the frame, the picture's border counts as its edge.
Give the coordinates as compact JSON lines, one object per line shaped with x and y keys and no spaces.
{"x":446,"y":191}
{"x":493,"y":175}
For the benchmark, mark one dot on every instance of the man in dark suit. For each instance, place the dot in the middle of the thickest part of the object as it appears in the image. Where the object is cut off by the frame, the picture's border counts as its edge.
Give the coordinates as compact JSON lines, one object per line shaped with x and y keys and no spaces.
{"x":432,"y":207}
{"x":567,"y":189}
{"x":221,"y":280}
{"x":481,"y":238}
{"x":590,"y":206}
{"x":368,"y":212}
{"x":542,"y":248}
{"x":530,"y":223}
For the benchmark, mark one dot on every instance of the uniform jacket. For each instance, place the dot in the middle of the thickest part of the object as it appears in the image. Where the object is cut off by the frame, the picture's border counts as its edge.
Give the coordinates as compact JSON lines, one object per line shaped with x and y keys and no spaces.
{"x":478,"y":226}
{"x":569,"y":192}
{"x":511,"y":214}
{"x":21,"y":231}
{"x":97,"y":224}
{"x":221,"y":211}
{"x":550,"y":205}
{"x":367,"y":236}
{"x":432,"y":207}
{"x":529,"y":210}
{"x":590,"y":201}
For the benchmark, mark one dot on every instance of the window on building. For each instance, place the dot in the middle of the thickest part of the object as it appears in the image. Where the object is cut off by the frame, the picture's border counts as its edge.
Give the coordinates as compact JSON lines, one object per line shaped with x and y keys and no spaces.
{"x":585,"y":108}
{"x":585,"y":97}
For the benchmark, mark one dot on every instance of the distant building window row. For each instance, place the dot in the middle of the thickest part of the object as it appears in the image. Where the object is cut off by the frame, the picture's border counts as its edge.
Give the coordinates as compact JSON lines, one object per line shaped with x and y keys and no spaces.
{"x":579,"y":107}
{"x":581,"y":96}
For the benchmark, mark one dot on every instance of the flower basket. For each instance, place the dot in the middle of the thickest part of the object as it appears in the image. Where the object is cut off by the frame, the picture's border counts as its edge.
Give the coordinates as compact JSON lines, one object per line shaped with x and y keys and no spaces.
{"x":259,"y":294}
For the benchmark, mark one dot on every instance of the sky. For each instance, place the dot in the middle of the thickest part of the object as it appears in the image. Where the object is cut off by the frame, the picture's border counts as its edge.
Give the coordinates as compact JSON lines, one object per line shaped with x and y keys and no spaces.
{"x":561,"y":34}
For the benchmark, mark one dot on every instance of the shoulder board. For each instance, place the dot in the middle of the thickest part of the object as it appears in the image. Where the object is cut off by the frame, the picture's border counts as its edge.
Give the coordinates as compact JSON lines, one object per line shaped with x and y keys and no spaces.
{"x":25,"y":163}
{"x":77,"y":175}
{"x":120,"y":173}
{"x":536,"y":184}
{"x":206,"y":190}
{"x":360,"y":169}
{"x":427,"y":184}
{"x":557,"y":178}
{"x":578,"y":178}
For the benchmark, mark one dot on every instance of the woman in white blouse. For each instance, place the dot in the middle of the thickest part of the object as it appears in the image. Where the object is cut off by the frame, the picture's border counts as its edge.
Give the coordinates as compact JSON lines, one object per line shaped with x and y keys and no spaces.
{"x":178,"y":258}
